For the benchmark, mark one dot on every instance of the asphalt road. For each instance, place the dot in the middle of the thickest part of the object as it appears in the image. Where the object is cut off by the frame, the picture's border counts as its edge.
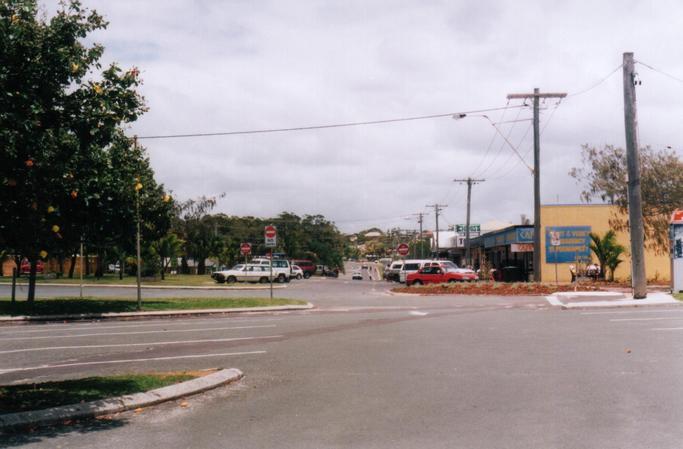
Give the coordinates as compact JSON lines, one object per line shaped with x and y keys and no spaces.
{"x":371,"y":370}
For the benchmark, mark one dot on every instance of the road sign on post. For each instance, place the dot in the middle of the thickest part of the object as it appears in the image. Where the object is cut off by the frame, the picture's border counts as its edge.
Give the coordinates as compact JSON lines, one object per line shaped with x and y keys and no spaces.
{"x":270,"y":234}
{"x":245,"y":248}
{"x":555,"y":242}
{"x":403,"y":249}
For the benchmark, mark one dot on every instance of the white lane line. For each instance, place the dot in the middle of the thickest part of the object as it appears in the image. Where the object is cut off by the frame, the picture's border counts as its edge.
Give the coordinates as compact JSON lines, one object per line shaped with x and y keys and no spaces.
{"x":156,"y":343}
{"x":109,"y":362}
{"x":647,"y":319}
{"x":621,"y":312}
{"x":93,"y":326}
{"x":417,"y":313}
{"x":103,"y":334}
{"x":667,"y":329}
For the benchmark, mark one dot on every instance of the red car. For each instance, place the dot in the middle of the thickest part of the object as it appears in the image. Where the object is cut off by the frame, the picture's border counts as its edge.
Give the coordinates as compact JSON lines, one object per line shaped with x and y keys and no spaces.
{"x":26,"y":267}
{"x":438,"y":275}
{"x":306,"y":266}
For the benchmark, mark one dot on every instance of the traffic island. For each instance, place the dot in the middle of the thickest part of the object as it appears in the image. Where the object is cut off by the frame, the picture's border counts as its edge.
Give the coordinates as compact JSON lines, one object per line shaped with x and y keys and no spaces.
{"x":494,"y":289}
{"x":34,"y":405}
{"x":67,"y":308}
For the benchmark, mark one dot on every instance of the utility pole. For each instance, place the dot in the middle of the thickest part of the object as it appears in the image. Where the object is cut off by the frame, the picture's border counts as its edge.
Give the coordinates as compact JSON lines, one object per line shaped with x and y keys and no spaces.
{"x":635,"y":208}
{"x":469,"y":182}
{"x":437,"y":210}
{"x":537,"y":95}
{"x":420,"y":219}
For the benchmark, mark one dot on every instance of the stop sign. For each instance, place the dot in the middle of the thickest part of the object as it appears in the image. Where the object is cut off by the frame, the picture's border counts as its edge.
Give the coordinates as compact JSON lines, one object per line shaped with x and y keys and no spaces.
{"x":245,"y":248}
{"x":403,"y":249}
{"x":270,"y":232}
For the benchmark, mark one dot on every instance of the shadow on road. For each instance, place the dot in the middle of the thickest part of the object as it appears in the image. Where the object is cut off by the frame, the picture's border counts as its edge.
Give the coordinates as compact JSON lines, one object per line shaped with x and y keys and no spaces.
{"x":20,"y":437}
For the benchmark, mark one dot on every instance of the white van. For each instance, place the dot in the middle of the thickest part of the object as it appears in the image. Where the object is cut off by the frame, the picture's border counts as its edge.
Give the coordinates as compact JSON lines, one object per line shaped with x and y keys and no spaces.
{"x":282,"y":270}
{"x":411,"y":266}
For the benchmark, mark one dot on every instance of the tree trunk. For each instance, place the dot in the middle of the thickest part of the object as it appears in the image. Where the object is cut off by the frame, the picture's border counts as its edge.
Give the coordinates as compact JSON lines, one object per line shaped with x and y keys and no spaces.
{"x":17,"y":262}
{"x":201,"y":267}
{"x":163,"y":269}
{"x":73,"y":266}
{"x":99,"y":271}
{"x":85,"y":262}
{"x":32,"y":280}
{"x":183,"y":265}
{"x":122,"y":267}
{"x":61,"y":266}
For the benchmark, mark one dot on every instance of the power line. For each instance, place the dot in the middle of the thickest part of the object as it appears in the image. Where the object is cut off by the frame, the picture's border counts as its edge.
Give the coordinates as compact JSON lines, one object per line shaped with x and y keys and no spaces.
{"x":659,"y":71}
{"x":311,"y":127}
{"x":593,"y":86}
{"x":493,"y":139}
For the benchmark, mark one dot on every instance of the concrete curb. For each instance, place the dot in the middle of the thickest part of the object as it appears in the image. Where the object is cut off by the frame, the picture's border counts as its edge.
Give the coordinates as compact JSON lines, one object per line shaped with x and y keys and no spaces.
{"x":118,"y":404}
{"x":622,"y":300}
{"x":152,"y":287}
{"x":161,"y":313}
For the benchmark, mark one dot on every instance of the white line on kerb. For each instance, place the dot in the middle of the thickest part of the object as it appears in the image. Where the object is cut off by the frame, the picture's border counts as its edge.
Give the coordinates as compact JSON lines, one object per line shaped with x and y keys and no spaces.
{"x":107,"y":362}
{"x":622,"y":312}
{"x":647,"y":319}
{"x":156,"y":343}
{"x":140,"y":332}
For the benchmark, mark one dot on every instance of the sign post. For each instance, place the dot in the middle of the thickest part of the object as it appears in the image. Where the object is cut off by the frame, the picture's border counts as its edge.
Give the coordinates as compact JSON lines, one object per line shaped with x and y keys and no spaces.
{"x":403,"y":249}
{"x":677,"y":251}
{"x":555,"y":242}
{"x":245,"y":249}
{"x":270,"y":234}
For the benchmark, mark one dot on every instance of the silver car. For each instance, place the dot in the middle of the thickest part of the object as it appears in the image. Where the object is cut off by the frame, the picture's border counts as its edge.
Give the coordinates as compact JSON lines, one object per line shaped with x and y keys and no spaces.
{"x":243,"y":273}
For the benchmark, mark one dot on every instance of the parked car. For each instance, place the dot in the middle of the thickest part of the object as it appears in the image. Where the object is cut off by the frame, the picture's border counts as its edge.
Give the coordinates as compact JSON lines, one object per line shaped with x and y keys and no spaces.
{"x":330,"y":272}
{"x":411,"y":266}
{"x":319,"y":269}
{"x":357,"y":275}
{"x":26,"y":267}
{"x":306,"y":266}
{"x":297,"y":272}
{"x":392,"y":273}
{"x":243,"y":273}
{"x":282,"y":269}
{"x":439,"y":275}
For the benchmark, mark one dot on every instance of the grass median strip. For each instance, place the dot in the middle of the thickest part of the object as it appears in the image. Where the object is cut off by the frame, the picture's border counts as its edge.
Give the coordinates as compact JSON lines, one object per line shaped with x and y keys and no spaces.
{"x":68,"y":305}
{"x":20,"y":398}
{"x":107,"y":279}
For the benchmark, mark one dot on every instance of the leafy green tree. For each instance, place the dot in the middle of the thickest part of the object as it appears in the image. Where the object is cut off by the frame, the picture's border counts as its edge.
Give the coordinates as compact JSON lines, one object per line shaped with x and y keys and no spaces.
{"x":608,"y":252}
{"x":199,"y":230}
{"x":58,"y":116}
{"x":166,"y":249}
{"x":604,"y":176}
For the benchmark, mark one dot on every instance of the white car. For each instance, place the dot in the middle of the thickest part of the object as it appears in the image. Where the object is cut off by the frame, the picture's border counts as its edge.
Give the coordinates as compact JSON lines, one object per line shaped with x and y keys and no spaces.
{"x":357,"y":275}
{"x":297,"y":272}
{"x":243,"y":273}
{"x":282,"y":270}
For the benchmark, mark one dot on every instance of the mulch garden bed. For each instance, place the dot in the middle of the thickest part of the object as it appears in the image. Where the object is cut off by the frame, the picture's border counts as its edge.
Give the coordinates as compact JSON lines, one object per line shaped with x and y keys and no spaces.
{"x":495,"y":288}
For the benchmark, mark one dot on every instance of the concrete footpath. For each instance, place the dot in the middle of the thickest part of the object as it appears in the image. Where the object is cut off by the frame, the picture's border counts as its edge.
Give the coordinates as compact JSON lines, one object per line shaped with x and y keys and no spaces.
{"x":118,"y":404}
{"x":160,"y":313}
{"x":578,"y":300}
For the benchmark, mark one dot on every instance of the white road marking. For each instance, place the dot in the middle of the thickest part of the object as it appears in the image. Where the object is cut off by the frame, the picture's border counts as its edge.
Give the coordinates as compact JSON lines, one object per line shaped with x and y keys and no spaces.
{"x":417,"y":313}
{"x":646,"y":319}
{"x":156,"y":323}
{"x":156,"y":343}
{"x":140,"y":332}
{"x":108,"y":362}
{"x":667,"y":329}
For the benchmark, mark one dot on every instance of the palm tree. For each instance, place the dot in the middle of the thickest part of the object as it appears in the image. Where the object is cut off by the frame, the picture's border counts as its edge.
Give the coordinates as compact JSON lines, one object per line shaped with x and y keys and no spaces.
{"x":608,"y":251}
{"x":167,"y":248}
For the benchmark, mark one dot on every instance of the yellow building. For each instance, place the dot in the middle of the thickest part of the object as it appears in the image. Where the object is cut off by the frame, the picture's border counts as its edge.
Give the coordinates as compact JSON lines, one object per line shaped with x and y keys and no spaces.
{"x":572,"y":224}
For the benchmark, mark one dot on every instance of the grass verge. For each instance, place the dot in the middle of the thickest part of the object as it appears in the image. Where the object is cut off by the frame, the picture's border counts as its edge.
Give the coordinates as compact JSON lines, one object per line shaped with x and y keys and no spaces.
{"x":494,"y":288}
{"x":20,"y":398}
{"x":678,"y":296}
{"x":67,"y":305}
{"x":171,"y":279}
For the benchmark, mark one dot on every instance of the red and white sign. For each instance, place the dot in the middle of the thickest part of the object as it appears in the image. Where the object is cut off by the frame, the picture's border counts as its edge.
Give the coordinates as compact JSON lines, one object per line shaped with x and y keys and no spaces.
{"x":677,"y":216}
{"x":522,"y":247}
{"x":245,"y":248}
{"x":270,"y":234}
{"x":403,"y":249}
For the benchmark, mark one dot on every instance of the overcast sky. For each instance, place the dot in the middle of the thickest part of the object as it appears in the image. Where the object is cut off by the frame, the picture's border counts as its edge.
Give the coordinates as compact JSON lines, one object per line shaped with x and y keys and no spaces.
{"x":212,"y":66}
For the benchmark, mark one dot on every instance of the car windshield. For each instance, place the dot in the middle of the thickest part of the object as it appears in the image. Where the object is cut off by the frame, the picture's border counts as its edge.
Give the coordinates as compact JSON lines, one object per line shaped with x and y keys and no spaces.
{"x":411,"y":267}
{"x":238,"y":267}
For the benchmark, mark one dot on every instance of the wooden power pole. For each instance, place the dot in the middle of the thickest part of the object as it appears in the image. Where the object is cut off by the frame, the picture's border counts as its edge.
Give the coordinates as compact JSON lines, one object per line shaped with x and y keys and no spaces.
{"x":420,"y":219}
{"x":536,"y":96}
{"x":469,"y":182}
{"x":635,"y":208}
{"x":437,"y":211}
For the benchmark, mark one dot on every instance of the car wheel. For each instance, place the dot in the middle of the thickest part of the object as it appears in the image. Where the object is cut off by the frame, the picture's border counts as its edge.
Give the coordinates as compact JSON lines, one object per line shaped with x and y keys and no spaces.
{"x":417,"y":282}
{"x":452,"y":281}
{"x":231,"y":279}
{"x":307,"y":275}
{"x":263,"y":280}
{"x":220,"y":279}
{"x":281,"y":278}
{"x":298,"y":276}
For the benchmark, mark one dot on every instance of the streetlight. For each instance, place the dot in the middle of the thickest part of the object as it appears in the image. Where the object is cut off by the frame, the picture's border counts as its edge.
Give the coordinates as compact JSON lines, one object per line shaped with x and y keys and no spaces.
{"x":138,"y":187}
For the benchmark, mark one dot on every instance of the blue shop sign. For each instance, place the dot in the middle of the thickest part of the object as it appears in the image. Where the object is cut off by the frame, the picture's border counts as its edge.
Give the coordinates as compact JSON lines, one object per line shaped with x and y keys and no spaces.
{"x":574,"y":244}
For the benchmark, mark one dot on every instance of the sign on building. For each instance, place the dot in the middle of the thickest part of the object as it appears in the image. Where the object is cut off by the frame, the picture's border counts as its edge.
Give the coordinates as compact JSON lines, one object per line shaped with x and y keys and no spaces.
{"x":474,"y":229}
{"x":567,"y":244}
